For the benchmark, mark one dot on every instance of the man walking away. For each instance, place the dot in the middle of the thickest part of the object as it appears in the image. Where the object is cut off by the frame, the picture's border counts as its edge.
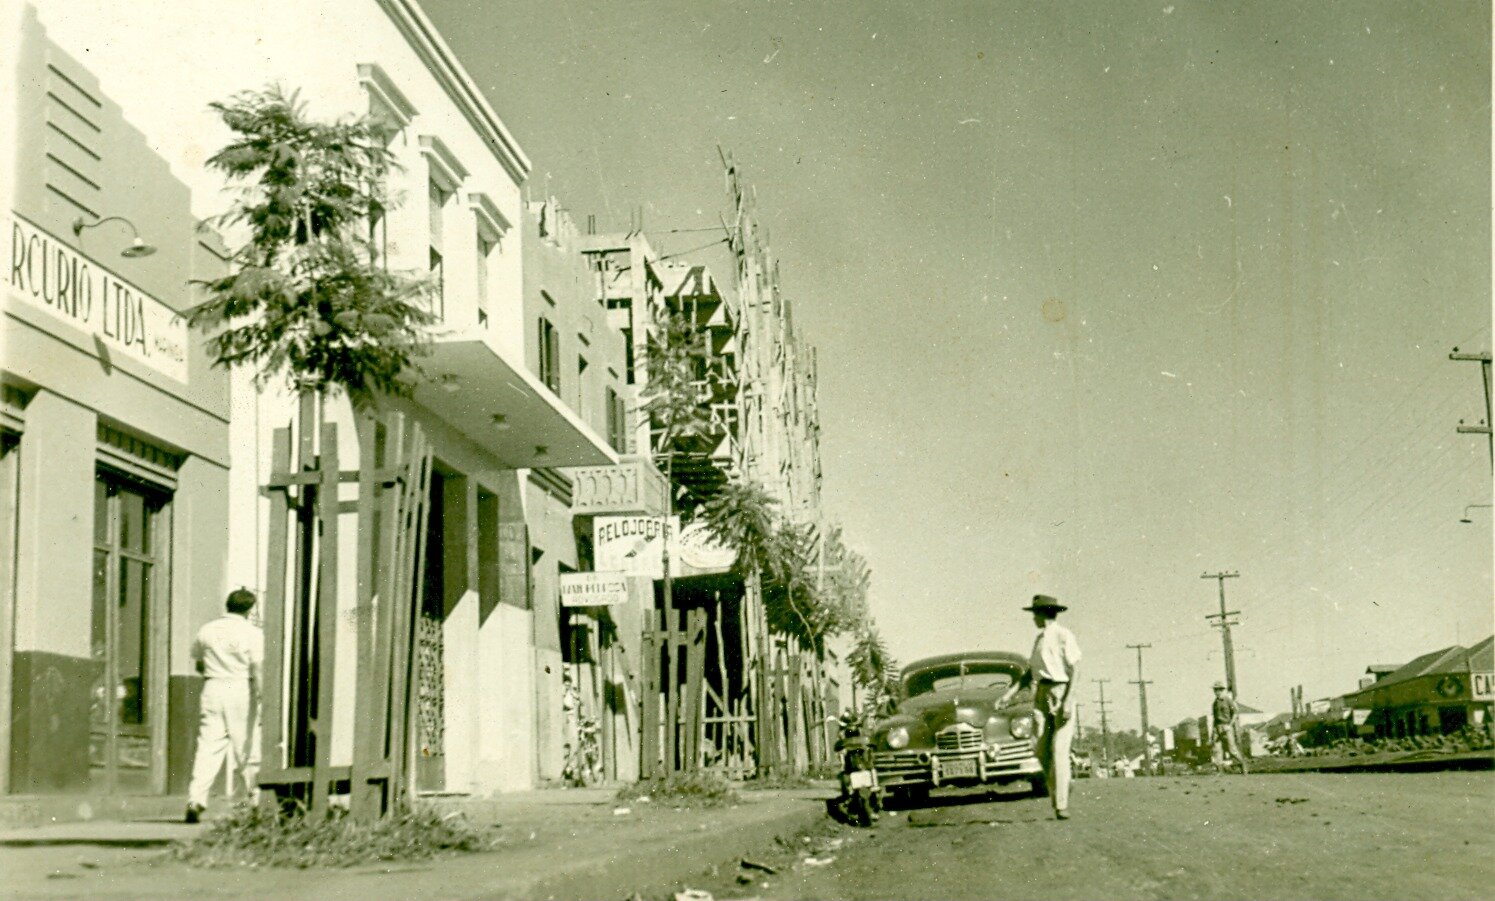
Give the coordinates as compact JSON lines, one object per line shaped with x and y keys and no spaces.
{"x":1051,"y":668}
{"x":229,"y":652}
{"x":1224,"y":712}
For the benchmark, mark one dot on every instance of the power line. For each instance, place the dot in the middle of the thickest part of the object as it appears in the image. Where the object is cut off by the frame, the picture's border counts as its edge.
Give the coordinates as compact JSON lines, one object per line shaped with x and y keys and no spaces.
{"x":1224,"y":625}
{"x":1483,"y":359}
{"x":1142,"y":684}
{"x":1105,"y":729}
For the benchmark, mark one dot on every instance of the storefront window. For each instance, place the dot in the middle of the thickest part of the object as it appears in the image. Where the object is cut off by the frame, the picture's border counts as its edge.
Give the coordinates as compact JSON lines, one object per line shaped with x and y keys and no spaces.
{"x":130,"y":528}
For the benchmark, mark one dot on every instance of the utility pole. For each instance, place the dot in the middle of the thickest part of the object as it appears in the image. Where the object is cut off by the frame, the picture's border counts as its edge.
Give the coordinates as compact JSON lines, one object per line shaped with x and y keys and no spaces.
{"x":1484,"y":364}
{"x":1142,"y":684}
{"x":1105,"y":731}
{"x":1224,"y":623}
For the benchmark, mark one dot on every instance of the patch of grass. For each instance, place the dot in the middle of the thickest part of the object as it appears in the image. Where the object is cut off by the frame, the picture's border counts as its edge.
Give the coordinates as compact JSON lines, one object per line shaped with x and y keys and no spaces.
{"x":248,"y":837}
{"x":703,"y":789}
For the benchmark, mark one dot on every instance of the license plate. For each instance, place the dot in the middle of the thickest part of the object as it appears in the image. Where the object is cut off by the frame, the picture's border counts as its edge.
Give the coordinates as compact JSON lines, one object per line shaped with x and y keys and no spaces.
{"x":861,"y":779}
{"x":957,"y":769}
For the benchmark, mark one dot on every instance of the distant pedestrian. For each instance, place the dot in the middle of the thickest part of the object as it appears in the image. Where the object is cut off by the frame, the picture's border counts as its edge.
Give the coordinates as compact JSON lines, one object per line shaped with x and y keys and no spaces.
{"x":1226,"y":720}
{"x":229,"y":652}
{"x":1051,"y":670}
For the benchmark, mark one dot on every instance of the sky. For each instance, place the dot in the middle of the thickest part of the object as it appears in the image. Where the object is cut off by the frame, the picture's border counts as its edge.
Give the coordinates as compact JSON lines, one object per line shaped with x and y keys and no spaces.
{"x":1106,"y":296}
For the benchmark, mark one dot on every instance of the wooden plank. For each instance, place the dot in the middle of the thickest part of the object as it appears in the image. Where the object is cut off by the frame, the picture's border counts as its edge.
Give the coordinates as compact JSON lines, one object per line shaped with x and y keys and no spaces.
{"x":693,"y":697}
{"x":272,"y":693}
{"x":393,"y":562}
{"x":368,"y":739}
{"x":414,"y":580}
{"x":289,"y":477}
{"x":327,"y":619}
{"x":401,"y":618}
{"x":388,"y":443}
{"x":300,"y":775}
{"x":649,"y":703}
{"x":669,"y":677}
{"x":794,"y":713}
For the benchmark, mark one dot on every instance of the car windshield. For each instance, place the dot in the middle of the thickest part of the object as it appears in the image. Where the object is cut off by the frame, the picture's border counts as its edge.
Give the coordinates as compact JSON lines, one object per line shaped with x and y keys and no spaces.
{"x":998,"y":681}
{"x":963,"y":675}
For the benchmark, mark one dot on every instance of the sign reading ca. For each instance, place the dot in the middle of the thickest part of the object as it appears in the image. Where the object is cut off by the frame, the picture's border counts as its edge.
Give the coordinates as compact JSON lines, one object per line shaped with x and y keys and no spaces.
{"x":1482,"y":685}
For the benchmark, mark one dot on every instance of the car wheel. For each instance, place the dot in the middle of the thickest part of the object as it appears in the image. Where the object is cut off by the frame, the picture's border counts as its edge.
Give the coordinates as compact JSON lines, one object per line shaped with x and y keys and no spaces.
{"x":1040,"y":788}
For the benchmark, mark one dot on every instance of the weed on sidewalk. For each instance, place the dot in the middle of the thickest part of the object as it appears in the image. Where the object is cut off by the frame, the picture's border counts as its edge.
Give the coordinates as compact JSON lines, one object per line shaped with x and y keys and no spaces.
{"x":249,"y":837}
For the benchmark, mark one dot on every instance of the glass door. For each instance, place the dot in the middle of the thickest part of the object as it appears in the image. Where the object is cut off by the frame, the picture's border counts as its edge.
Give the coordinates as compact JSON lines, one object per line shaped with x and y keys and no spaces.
{"x":126,"y":712}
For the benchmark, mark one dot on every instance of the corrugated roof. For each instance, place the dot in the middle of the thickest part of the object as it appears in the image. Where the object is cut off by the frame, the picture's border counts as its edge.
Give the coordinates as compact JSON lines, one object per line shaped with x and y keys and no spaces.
{"x":1453,"y":659}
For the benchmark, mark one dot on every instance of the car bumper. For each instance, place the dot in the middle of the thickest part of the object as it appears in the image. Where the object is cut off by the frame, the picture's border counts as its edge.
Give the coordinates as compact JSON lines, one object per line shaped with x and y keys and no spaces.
{"x":1000,"y":762}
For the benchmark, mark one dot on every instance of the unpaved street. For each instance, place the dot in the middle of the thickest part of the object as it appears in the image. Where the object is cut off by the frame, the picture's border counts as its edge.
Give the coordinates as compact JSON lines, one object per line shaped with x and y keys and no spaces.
{"x":1290,"y":836}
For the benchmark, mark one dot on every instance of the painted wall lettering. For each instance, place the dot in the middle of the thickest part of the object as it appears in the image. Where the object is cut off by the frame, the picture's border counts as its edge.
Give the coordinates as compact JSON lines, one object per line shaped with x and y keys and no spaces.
{"x":46,"y":273}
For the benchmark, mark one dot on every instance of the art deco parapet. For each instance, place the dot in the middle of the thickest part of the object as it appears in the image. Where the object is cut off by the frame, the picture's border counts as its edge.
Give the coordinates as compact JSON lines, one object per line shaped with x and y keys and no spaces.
{"x":633,"y":486}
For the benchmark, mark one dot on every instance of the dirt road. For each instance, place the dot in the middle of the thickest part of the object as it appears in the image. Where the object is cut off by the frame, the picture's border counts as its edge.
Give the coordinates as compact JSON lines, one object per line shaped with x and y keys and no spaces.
{"x":1283,"y":836}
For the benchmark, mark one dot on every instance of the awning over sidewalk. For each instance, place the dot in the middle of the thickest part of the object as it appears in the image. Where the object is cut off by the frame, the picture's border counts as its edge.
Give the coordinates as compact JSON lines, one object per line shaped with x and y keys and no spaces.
{"x":502,"y":407}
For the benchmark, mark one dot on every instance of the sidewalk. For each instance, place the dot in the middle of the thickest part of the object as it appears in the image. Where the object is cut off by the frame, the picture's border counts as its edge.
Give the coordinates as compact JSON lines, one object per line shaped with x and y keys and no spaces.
{"x":575,"y":843}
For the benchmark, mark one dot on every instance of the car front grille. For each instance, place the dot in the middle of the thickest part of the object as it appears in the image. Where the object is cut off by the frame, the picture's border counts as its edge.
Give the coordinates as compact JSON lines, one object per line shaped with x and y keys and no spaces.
{"x":959,"y":737}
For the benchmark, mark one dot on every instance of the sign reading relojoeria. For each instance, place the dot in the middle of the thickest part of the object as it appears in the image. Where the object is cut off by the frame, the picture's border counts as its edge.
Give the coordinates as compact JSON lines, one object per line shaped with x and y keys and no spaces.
{"x":631,"y":544}
{"x":45,"y":273}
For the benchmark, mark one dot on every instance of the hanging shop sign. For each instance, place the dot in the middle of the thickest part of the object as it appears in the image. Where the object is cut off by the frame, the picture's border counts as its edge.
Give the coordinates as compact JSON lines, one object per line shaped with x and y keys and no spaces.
{"x":47,"y":274}
{"x":633,"y":545}
{"x":1483,"y":686}
{"x":599,"y":589}
{"x":700,"y":551}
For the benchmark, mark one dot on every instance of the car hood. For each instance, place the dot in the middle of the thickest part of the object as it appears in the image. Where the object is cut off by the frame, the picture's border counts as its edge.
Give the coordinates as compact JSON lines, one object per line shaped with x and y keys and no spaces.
{"x":926,"y":714}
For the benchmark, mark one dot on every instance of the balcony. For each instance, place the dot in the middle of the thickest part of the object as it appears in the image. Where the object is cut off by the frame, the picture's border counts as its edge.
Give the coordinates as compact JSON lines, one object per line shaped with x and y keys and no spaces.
{"x":503,"y":408}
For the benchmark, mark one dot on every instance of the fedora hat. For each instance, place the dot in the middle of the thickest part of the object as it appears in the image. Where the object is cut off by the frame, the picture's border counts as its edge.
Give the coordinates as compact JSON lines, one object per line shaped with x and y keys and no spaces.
{"x":1045,"y":602}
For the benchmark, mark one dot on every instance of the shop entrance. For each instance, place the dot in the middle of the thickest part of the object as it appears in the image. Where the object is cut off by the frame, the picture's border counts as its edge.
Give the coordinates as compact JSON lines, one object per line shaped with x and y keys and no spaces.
{"x":127,"y":706}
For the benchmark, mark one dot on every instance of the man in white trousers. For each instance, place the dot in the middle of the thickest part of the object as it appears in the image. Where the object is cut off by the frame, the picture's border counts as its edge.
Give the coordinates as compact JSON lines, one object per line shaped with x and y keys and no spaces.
{"x":229,"y":652}
{"x":1051,"y":669}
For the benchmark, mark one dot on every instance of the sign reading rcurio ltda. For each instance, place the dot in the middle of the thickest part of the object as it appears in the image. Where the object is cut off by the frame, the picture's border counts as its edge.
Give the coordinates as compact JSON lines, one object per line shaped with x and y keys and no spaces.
{"x":47,"y":274}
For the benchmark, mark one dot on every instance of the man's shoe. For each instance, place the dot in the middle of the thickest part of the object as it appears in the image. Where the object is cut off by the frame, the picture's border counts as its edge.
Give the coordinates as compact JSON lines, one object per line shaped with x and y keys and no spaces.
{"x":1061,"y":814}
{"x":194,"y":812}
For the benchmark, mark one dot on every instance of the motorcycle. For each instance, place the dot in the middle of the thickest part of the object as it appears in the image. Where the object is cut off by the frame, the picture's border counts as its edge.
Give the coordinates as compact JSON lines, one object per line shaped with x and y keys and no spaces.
{"x":860,"y":800}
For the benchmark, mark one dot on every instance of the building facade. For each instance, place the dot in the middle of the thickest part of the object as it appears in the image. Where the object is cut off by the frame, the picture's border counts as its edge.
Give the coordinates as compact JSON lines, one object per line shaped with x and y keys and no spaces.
{"x":116,"y":425}
{"x":114,"y":440}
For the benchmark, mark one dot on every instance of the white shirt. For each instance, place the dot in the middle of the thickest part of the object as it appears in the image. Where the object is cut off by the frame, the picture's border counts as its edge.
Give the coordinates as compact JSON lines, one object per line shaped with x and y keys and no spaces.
{"x":1055,"y":651}
{"x":227,"y":646}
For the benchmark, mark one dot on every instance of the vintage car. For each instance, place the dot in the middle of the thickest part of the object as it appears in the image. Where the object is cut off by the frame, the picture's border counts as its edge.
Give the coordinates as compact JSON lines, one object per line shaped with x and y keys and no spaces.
{"x":947,"y":730}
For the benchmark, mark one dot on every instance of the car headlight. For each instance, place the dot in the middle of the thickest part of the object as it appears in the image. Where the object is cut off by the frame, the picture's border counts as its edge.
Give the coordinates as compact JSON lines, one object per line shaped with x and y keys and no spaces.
{"x":897,"y":737}
{"x":1021,"y":727}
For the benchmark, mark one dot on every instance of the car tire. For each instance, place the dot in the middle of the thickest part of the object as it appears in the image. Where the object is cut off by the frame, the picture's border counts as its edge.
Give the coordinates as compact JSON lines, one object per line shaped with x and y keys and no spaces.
{"x":1040,"y":787}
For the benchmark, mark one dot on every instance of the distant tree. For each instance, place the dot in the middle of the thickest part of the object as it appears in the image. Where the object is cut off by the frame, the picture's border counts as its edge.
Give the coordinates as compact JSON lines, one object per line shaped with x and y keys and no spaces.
{"x":676,"y":392}
{"x":873,"y":669}
{"x":304,"y":297}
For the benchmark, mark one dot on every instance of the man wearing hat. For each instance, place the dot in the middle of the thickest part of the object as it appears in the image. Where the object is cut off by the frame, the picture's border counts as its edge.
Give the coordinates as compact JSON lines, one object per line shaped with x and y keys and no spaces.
{"x":1051,"y":668}
{"x":1223,"y":712}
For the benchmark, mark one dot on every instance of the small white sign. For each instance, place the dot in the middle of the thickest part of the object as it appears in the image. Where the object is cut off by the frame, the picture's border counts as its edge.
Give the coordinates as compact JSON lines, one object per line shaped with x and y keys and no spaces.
{"x":698,"y":549}
{"x":593,"y":589}
{"x":1483,"y":686}
{"x":47,"y":274}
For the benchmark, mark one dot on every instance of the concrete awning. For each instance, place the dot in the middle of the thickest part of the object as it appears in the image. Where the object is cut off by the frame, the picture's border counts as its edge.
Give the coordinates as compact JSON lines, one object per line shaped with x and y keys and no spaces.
{"x":503,"y":408}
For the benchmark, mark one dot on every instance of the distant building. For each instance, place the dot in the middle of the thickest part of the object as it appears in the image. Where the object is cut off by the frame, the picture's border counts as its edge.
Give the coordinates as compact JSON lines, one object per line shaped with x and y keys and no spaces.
{"x":1437,"y":693}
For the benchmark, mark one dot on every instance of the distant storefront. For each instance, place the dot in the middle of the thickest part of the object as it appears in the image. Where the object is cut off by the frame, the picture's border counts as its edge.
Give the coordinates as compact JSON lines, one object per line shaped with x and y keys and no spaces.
{"x":1437,"y":693}
{"x":113,"y":445}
